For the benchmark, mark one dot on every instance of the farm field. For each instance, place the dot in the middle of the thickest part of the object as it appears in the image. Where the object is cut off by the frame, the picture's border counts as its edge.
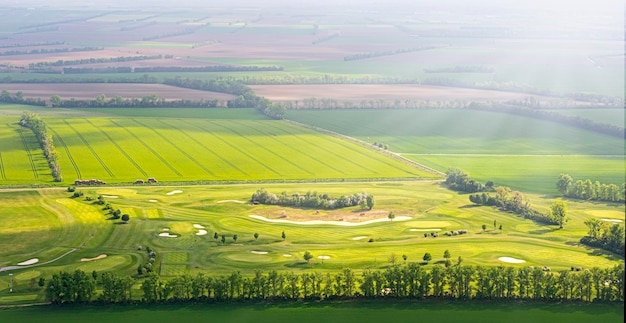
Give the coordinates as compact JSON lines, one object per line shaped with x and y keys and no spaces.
{"x":119,"y":149}
{"x":180,"y":224}
{"x":520,"y":152}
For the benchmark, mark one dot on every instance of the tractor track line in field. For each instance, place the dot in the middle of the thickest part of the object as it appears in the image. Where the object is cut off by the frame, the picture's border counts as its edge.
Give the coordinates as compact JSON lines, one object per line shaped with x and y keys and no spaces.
{"x":132,"y":161}
{"x":150,"y":149}
{"x":243,"y":152}
{"x":67,"y":151}
{"x":273,"y":153}
{"x":95,"y":154}
{"x":176,"y":146}
{"x":30,"y":156}
{"x":210,"y":150}
{"x":4,"y":177}
{"x":239,"y":150}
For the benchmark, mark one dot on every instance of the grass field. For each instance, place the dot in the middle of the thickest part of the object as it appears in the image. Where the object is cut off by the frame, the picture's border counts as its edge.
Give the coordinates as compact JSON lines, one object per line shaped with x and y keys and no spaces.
{"x":523,"y":153}
{"x":357,"y":312}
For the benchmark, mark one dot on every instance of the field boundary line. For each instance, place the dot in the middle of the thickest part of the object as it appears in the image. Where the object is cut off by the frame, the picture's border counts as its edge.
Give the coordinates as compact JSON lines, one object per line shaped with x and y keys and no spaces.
{"x":150,"y":149}
{"x":30,"y":157}
{"x":243,"y":152}
{"x":118,"y":148}
{"x":176,"y":146}
{"x":367,"y":145}
{"x":211,"y":150}
{"x":67,"y":151}
{"x":269,"y":151}
{"x":95,"y":154}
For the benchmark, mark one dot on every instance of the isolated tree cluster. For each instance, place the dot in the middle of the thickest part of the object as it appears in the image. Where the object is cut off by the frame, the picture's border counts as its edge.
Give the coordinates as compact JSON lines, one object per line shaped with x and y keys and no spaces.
{"x":313,"y":200}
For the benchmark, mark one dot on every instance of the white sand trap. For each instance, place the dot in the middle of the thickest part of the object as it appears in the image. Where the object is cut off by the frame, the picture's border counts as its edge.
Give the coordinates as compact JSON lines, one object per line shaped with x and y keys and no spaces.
{"x":339,"y":223}
{"x":95,"y":258}
{"x":612,"y":220}
{"x":153,"y":201}
{"x":29,"y":262}
{"x":433,"y":229}
{"x":286,"y":255}
{"x":167,"y":235}
{"x":511,"y":260}
{"x":259,"y":252}
{"x":173,"y":192}
{"x":197,"y":226}
{"x":359,"y":238}
{"x":201,"y":232}
{"x":110,"y":196}
{"x":166,"y":229}
{"x":231,"y":201}
{"x":323,"y":257}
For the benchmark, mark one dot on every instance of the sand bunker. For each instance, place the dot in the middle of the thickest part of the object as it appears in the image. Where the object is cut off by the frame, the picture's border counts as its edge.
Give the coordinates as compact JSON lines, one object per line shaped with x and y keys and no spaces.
{"x":359,"y":238}
{"x":153,"y":201}
{"x":167,"y":235}
{"x":340,"y":223}
{"x":29,"y":262}
{"x":259,"y":252}
{"x":511,"y":260}
{"x":286,"y":255}
{"x":433,"y":229}
{"x":323,"y":257}
{"x":110,"y":196}
{"x":173,"y":192}
{"x":231,"y":201}
{"x":166,"y":229}
{"x":197,"y":226}
{"x":95,"y":258}
{"x":612,"y":220}
{"x":201,"y":232}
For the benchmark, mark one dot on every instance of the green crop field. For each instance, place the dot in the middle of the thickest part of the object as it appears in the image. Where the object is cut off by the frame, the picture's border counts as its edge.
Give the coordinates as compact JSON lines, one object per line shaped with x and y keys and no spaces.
{"x":235,"y":145}
{"x":520,"y":152}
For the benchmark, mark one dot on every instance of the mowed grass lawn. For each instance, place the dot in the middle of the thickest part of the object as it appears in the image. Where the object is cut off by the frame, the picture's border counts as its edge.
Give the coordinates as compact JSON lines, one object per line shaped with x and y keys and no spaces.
{"x":524,"y":153}
{"x":236,"y":145}
{"x":38,"y":219}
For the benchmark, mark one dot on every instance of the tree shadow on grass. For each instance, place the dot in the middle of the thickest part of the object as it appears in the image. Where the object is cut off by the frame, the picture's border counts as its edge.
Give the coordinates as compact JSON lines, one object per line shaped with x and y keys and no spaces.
{"x":542,"y":231}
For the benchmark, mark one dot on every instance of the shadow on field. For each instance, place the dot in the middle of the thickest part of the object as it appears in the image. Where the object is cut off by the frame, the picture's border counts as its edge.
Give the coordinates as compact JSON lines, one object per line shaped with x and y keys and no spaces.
{"x":544,"y":231}
{"x":468,"y":206}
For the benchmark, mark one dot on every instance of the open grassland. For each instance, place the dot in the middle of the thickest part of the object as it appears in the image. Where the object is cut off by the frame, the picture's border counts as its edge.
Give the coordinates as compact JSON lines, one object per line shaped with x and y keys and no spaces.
{"x":357,"y":312}
{"x":524,"y":153}
{"x":170,"y":220}
{"x":122,"y":148}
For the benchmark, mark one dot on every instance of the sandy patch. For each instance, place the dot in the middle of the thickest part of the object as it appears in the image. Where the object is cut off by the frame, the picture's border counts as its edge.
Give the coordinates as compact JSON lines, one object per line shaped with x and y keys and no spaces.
{"x":511,"y":260}
{"x":153,"y":201}
{"x":95,"y":258}
{"x":359,"y":238}
{"x":612,"y":220}
{"x":339,"y":223}
{"x":167,"y":235}
{"x":198,"y":226}
{"x":434,"y":229}
{"x":174,"y":192}
{"x":286,"y":255}
{"x":259,"y":252}
{"x":323,"y":257}
{"x":201,"y":232}
{"x":166,"y":229}
{"x":231,"y":201}
{"x":29,"y":262}
{"x":110,"y":196}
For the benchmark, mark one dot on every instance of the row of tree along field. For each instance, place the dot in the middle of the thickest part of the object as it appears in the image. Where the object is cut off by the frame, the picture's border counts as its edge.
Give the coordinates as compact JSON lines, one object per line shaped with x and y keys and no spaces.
{"x":587,"y":190}
{"x":410,"y":281}
{"x":313,"y":200}
{"x":38,"y":126}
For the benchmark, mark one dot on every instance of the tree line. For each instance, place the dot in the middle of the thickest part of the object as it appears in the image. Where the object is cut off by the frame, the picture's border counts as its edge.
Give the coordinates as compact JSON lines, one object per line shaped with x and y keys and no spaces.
{"x":49,"y":51}
{"x":313,"y":200}
{"x":147,"y":101}
{"x":586,"y":190}
{"x":605,"y":235}
{"x":409,"y":281}
{"x":386,"y":53}
{"x":505,"y":198}
{"x":39,"y":65}
{"x":169,"y":69}
{"x":38,"y":126}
